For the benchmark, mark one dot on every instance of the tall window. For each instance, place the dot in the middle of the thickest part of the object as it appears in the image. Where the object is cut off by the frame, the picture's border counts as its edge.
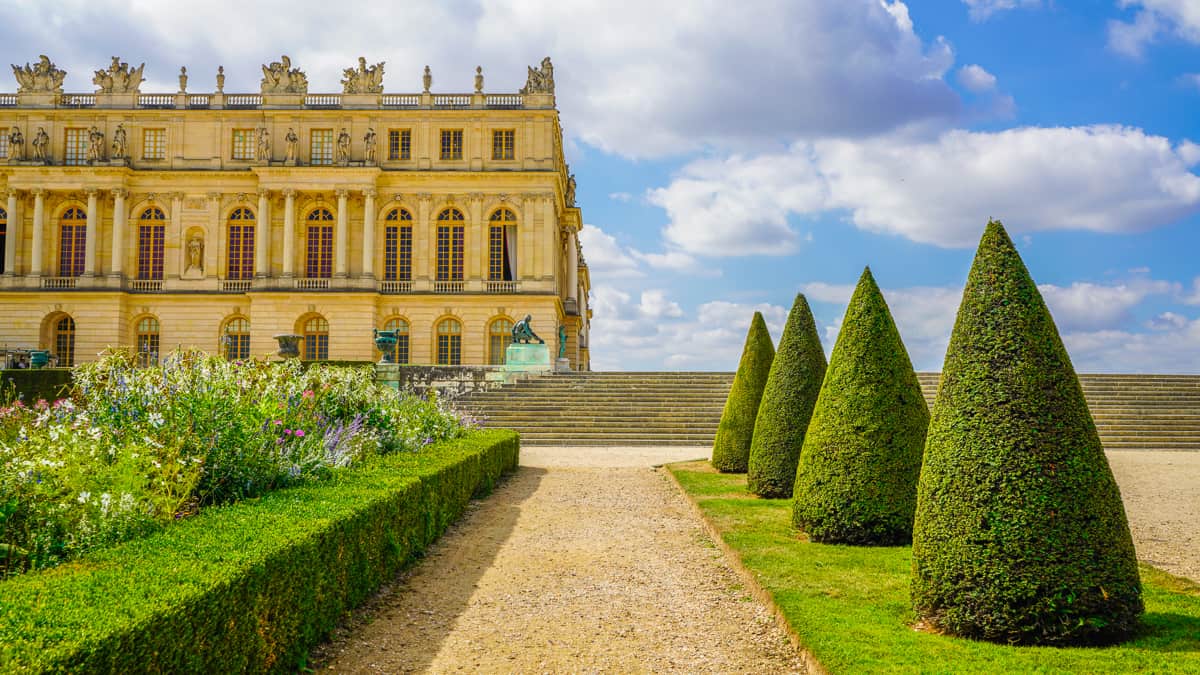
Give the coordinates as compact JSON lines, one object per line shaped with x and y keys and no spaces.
{"x":319,"y":253}
{"x":401,"y":328}
{"x":449,"y":343}
{"x":240,"y":264}
{"x":154,"y":144}
{"x":399,"y":144}
{"x":502,"y":246}
{"x":316,"y":339}
{"x":3,"y":146}
{"x":151,"y":238}
{"x":64,"y":341}
{"x":76,"y":147}
{"x":236,"y":339}
{"x":503,"y":142}
{"x":452,"y":143}
{"x":72,"y":242}
{"x":450,"y":245}
{"x":244,"y":143}
{"x":320,"y":146}
{"x":499,"y":337}
{"x":397,"y":246}
{"x":3,"y":235}
{"x":147,"y":341}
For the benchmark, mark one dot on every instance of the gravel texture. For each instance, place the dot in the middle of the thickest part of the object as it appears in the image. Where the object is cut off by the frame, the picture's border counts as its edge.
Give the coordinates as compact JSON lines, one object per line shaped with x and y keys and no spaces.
{"x":1161,"y":491}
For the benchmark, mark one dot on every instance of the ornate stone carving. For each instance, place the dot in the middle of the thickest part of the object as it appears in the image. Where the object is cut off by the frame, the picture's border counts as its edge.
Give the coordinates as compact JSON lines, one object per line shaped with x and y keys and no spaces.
{"x":569,"y":194}
{"x":42,"y":77}
{"x":540,"y":80}
{"x":183,"y":79}
{"x":264,"y":145}
{"x":478,"y":79}
{"x":16,"y":144}
{"x":363,"y":80}
{"x":292,"y":140}
{"x":119,"y":142}
{"x":369,"y":143}
{"x":426,"y":79}
{"x":281,"y":78}
{"x":343,"y":147}
{"x":95,"y":151}
{"x":195,"y":254}
{"x":119,"y":78}
{"x":220,"y":79}
{"x":41,"y":145}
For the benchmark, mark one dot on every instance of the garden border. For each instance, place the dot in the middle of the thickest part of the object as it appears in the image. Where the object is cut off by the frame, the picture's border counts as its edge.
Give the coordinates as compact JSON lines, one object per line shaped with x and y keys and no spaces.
{"x":251,"y":586}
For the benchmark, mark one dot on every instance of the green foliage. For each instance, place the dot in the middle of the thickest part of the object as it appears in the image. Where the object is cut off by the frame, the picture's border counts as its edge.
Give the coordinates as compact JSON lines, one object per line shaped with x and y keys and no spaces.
{"x":247,"y":587}
{"x":787,"y":404}
{"x":1020,"y":531}
{"x":731,"y":447}
{"x":30,"y":384}
{"x":857,"y":478}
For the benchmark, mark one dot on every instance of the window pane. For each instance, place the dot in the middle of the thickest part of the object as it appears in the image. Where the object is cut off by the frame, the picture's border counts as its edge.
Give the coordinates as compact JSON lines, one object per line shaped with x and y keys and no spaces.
{"x":76,"y":147}
{"x":154,"y":144}
{"x":150,"y":251}
{"x":64,"y":341}
{"x":321,"y":146}
{"x":452,"y":144}
{"x":503,"y":141}
{"x":244,"y":143}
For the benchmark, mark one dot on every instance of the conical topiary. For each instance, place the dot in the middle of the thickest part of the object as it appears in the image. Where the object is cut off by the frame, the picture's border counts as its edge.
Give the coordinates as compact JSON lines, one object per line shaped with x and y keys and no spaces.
{"x":1020,"y":533}
{"x":857,"y":478}
{"x":787,"y":405}
{"x":731,"y":447}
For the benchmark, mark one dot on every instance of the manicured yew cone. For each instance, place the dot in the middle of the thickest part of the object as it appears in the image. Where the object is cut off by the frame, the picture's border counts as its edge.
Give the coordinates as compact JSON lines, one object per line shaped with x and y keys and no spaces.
{"x":857,"y":478}
{"x":731,"y":447}
{"x":787,"y":405}
{"x":1020,"y":534}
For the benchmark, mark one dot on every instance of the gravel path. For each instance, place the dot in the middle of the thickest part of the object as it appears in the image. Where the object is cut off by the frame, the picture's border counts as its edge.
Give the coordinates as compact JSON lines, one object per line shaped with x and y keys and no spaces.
{"x":585,"y":561}
{"x":1161,"y":491}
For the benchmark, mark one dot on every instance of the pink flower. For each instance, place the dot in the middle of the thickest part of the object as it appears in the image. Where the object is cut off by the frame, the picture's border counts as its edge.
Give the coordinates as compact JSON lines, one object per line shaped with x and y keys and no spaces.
{"x":300,"y":432}
{"x":278,"y":422}
{"x":308,"y":393}
{"x":287,"y":432}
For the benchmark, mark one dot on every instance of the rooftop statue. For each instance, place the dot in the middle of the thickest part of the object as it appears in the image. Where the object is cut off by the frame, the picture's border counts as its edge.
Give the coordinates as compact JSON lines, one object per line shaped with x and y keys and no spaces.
{"x":281,"y":78}
{"x":427,"y":79}
{"x":540,"y":80}
{"x":569,"y":197}
{"x":522,"y":332}
{"x":364,"y":80}
{"x":119,"y":78}
{"x":42,"y":77}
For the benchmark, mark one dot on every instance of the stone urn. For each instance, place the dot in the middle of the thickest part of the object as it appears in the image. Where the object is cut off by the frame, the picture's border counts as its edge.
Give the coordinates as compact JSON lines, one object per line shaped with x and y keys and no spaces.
{"x":289,"y":345}
{"x":385,"y":341}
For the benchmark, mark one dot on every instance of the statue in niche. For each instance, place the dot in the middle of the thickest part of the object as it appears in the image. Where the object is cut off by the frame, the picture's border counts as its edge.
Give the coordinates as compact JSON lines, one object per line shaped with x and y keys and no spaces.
{"x":118,"y":143}
{"x":523,"y":333}
{"x":264,"y":145}
{"x":195,"y":254}
{"x":183,"y":79}
{"x":427,"y":79}
{"x":16,"y":144}
{"x":41,"y":145}
{"x":220,"y":79}
{"x":343,"y":147}
{"x":119,"y":78}
{"x":292,"y":140}
{"x":95,"y":151}
{"x":42,"y":77}
{"x":478,"y":79}
{"x":281,"y":78}
{"x":369,"y":143}
{"x":364,"y":80}
{"x":540,"y":80}
{"x":569,"y":197}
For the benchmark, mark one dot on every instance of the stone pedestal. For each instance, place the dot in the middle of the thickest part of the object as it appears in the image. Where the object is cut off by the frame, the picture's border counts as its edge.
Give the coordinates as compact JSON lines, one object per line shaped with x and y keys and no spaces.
{"x":527,"y":358}
{"x":562,"y":364}
{"x":388,"y":374}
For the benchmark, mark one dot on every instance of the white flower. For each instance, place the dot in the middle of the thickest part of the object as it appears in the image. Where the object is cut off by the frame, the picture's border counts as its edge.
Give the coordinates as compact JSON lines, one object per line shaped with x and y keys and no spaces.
{"x":83,"y":497}
{"x":156,"y":419}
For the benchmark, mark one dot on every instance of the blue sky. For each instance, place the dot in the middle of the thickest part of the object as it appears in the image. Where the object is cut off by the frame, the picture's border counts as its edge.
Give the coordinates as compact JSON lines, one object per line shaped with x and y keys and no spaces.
{"x":730,"y":155}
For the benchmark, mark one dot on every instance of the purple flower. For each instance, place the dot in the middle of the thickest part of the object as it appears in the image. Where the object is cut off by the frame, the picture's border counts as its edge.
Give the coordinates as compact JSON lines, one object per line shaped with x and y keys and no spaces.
{"x":300,"y":432}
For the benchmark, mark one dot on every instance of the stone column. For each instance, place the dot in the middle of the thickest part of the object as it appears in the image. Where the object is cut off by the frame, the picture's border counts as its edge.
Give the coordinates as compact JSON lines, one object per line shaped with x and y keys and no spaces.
{"x":262,"y":234}
{"x":572,"y":272}
{"x":550,"y":238}
{"x":13,"y":237}
{"x":479,"y":238}
{"x":93,"y":233}
{"x":423,"y":234}
{"x":368,"y":246}
{"x":342,"y":237}
{"x":39,"y":225}
{"x":177,"y":228}
{"x":118,"y":232}
{"x":289,"y":232}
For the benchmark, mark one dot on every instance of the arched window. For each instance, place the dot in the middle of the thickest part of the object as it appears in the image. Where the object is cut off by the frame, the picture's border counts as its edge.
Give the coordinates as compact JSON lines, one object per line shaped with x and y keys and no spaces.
{"x":401,"y":328}
{"x":316,"y":339}
{"x":72,"y":242}
{"x":3,"y":236}
{"x":319,"y":252}
{"x":397,"y":246}
{"x":499,"y":337}
{"x":64,"y":341}
{"x":240,"y":264}
{"x":450,"y":245}
{"x":235,"y":338}
{"x":449,"y":343}
{"x":147,"y":341}
{"x":502,"y":246}
{"x":152,"y":230}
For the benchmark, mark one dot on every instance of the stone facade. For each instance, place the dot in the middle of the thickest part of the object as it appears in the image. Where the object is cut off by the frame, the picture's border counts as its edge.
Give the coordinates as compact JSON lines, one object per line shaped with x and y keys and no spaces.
{"x":220,"y":173}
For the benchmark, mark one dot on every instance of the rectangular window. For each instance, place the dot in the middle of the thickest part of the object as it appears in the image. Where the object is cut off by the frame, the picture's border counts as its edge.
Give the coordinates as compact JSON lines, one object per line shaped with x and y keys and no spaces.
{"x":3,"y":145}
{"x":320,"y":147}
{"x":237,"y":346}
{"x":154,"y":144}
{"x":316,"y":346}
{"x":496,"y":253}
{"x":397,"y":253}
{"x":399,"y":144}
{"x":452,"y":144}
{"x":151,"y":239}
{"x":503,"y":141}
{"x":147,"y":349}
{"x":401,"y":354}
{"x":72,"y":243}
{"x":449,"y":350}
{"x":241,"y":252}
{"x":76,"y":147}
{"x":243,"y":143}
{"x":320,"y":252}
{"x":450,"y":253}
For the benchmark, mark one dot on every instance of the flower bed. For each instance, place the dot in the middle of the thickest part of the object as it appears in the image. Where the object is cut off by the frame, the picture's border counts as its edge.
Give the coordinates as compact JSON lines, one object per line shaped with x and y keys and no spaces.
{"x":135,"y":448}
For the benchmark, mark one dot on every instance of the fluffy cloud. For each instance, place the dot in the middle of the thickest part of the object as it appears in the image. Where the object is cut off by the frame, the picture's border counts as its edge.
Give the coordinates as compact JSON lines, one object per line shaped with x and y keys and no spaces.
{"x":981,"y":10}
{"x":1153,"y":20}
{"x":976,"y":79}
{"x":1088,"y":306}
{"x":605,"y":257}
{"x":1173,"y":348}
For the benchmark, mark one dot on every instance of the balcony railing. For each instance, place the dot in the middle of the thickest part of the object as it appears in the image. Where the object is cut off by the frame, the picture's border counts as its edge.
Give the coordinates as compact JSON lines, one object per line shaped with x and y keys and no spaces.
{"x":501,"y":286}
{"x":312,"y":284}
{"x":452,"y":100}
{"x":78,"y":100}
{"x":198,"y":100}
{"x":323,"y":101}
{"x":395,"y":287}
{"x":243,"y":101}
{"x":8,"y":100}
{"x":235,"y":285}
{"x":59,"y":283}
{"x":401,"y":100}
{"x":156,"y":101}
{"x":504,"y":101}
{"x":145,"y":285}
{"x":310,"y":101}
{"x":448,"y":286}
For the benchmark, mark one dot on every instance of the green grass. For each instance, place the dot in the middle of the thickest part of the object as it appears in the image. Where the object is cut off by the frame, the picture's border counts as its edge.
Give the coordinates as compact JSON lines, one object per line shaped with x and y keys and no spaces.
{"x":850,"y":605}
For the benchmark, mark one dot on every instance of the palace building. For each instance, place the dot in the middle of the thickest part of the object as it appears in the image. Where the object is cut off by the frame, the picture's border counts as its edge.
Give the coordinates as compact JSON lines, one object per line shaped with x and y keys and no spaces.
{"x":219,"y":221}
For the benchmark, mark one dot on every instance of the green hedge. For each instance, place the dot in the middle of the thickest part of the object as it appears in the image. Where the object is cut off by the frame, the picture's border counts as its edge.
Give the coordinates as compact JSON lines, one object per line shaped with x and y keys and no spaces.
{"x":34,"y":383}
{"x":731,"y":445}
{"x":251,"y":586}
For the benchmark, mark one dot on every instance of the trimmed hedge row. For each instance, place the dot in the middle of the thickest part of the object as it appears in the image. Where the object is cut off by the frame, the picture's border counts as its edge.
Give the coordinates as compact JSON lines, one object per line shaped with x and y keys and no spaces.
{"x":731,"y":445}
{"x":34,"y":383}
{"x":251,"y":586}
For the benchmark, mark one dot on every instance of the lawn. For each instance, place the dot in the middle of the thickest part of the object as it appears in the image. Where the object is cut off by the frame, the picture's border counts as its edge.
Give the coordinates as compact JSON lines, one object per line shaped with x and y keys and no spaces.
{"x":850,"y":606}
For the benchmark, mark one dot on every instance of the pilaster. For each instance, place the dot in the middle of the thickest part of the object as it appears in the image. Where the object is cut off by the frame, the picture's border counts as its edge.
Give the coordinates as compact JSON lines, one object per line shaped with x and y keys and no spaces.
{"x":13,"y":236}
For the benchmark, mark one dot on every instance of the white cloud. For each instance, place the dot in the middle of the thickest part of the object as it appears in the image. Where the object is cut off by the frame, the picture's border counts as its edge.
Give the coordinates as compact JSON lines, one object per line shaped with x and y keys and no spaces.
{"x":976,"y":79}
{"x":1088,"y":306}
{"x":1167,"y":321}
{"x":656,"y":305}
{"x":676,"y":261}
{"x":981,"y":10}
{"x":1192,"y":298}
{"x":1174,"y":348}
{"x":1153,"y":20}
{"x":623,"y":197}
{"x":605,"y":257}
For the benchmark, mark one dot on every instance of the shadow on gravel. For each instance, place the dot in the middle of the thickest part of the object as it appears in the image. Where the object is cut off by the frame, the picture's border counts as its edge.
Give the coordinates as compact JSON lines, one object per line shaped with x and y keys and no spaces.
{"x":401,"y":628}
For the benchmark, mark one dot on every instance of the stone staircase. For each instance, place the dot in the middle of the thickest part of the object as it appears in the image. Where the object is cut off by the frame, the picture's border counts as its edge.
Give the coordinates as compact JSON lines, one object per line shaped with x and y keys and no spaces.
{"x":1132,"y":412}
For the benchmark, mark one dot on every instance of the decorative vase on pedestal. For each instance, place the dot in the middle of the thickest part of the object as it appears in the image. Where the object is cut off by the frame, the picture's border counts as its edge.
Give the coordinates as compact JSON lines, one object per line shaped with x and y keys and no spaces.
{"x":385,"y":341}
{"x":289,"y":345}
